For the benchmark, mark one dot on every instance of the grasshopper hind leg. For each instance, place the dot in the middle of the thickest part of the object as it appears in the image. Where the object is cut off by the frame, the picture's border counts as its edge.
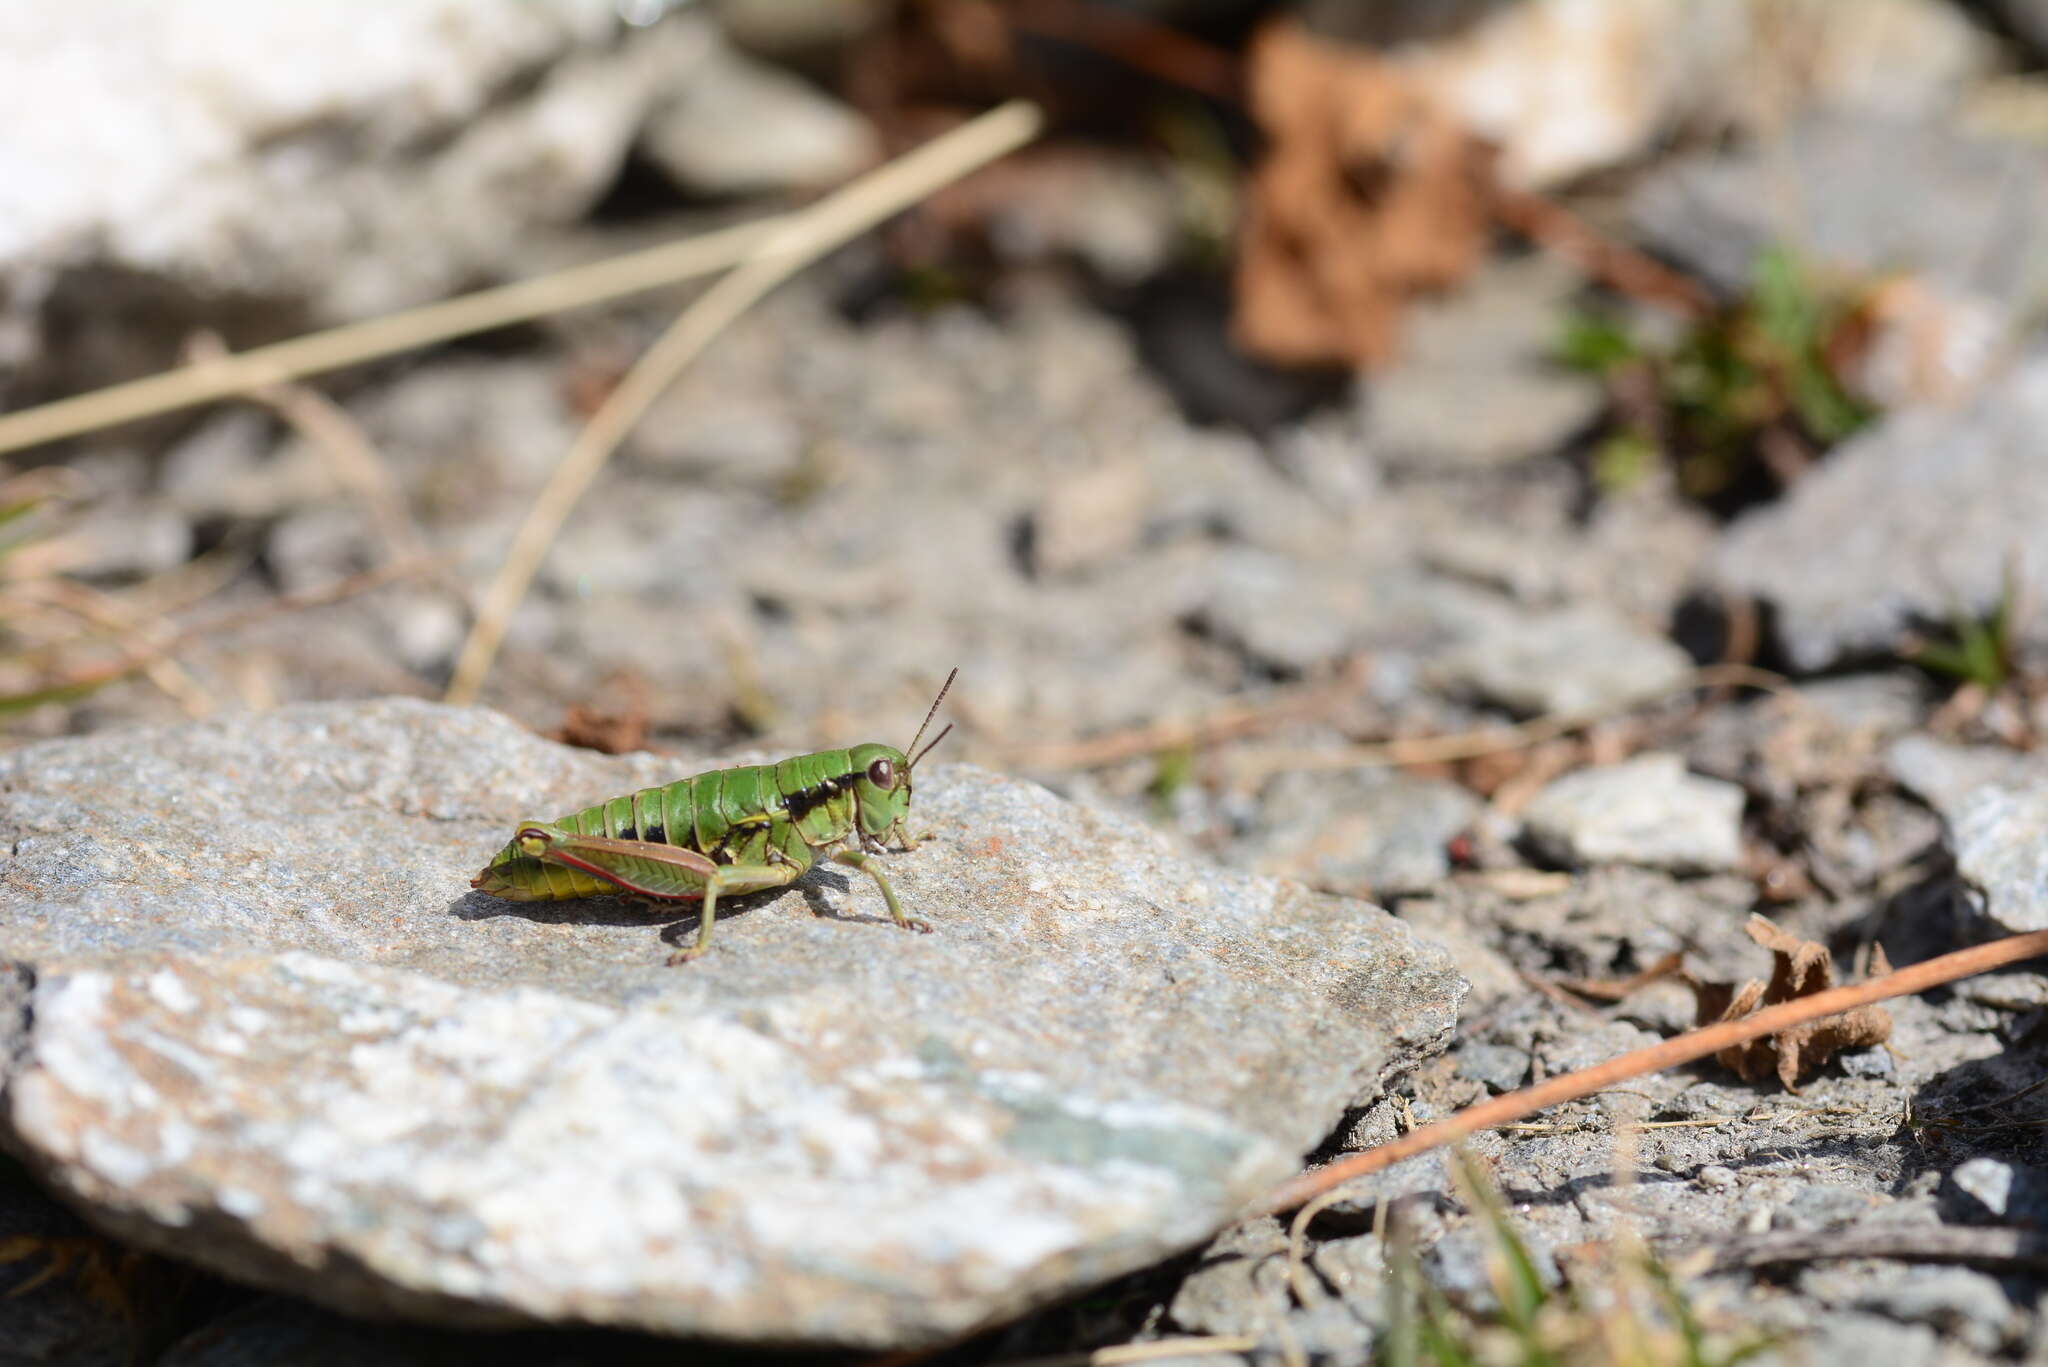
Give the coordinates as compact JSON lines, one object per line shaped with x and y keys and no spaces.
{"x":733,"y":880}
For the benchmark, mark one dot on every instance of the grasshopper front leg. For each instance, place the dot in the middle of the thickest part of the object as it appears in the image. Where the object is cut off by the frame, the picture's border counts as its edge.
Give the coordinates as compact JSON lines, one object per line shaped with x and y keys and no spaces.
{"x":855,"y":859}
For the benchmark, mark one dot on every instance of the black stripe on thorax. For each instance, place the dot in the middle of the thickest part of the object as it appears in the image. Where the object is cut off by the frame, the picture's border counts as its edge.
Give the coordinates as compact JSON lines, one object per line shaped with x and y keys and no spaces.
{"x":800,"y":802}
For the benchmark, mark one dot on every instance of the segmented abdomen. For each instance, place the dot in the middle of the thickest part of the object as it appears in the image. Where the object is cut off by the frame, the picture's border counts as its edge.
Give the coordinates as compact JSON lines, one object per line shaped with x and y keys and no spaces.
{"x":695,"y":812}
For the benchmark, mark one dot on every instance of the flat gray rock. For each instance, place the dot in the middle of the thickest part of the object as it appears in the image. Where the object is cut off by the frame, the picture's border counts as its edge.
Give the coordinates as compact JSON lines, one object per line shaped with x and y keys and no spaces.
{"x":1571,"y":660}
{"x":1647,"y":810}
{"x":270,"y":1030}
{"x":1995,"y":803}
{"x":1909,"y":522}
{"x":738,"y":127}
{"x":1497,"y":336}
{"x":1365,"y":832}
{"x":439,"y":139}
{"x":1857,"y":193}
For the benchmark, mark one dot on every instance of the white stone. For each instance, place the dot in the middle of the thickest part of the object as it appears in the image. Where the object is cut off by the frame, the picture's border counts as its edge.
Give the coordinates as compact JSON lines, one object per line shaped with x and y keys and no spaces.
{"x":1647,"y":810}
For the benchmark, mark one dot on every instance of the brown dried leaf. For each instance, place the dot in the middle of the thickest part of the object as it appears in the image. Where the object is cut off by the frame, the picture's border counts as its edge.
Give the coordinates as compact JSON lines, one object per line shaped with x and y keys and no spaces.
{"x":1800,"y":968}
{"x":608,"y":733}
{"x":1369,"y":194}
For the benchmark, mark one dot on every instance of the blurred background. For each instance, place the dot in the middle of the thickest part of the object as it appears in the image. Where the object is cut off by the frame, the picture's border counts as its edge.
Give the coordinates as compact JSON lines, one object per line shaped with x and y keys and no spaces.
{"x":1342,"y":424}
{"x":1326,"y":375}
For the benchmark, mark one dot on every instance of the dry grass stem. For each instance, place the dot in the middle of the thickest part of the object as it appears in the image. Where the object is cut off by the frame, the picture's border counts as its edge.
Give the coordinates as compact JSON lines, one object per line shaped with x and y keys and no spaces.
{"x":796,"y":242}
{"x":141,"y":654}
{"x":1606,"y":259}
{"x":1990,"y":1247}
{"x":1694,"y":1044}
{"x":105,"y":611}
{"x":353,"y":343}
{"x":1297,"y":1245}
{"x":1256,"y":765}
{"x":1253,"y":766}
{"x":1224,"y":724}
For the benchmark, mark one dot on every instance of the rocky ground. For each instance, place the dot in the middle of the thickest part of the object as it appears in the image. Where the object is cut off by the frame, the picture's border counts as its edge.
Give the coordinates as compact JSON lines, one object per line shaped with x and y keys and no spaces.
{"x":290,"y":1078}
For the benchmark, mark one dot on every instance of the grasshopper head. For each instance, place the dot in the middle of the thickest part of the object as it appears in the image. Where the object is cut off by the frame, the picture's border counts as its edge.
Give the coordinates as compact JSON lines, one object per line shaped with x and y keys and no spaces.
{"x":882,"y":779}
{"x":882,"y":784}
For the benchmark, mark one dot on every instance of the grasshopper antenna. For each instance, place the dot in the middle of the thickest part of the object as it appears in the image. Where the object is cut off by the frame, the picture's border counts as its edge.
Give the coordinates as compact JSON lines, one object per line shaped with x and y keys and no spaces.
{"x":928,"y":749}
{"x":914,"y":751}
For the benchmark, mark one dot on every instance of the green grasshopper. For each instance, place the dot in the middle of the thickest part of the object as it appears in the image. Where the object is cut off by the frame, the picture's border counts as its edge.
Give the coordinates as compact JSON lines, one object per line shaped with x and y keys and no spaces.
{"x":726,"y":832}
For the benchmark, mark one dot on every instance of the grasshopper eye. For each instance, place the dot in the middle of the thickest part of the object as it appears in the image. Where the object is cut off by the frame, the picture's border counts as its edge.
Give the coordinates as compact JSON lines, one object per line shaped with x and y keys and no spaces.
{"x":882,"y":774}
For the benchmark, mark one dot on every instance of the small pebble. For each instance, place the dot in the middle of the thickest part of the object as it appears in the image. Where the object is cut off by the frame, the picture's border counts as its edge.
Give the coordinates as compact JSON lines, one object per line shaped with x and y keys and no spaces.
{"x":1989,"y":1180}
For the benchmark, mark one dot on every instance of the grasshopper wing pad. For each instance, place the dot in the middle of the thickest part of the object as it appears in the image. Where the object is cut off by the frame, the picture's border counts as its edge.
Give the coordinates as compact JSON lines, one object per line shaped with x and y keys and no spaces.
{"x":637,"y":866}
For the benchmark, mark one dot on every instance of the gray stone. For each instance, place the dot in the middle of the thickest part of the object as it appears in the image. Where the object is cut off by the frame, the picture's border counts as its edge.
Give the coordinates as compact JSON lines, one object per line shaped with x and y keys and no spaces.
{"x":1461,"y":1265}
{"x":2023,"y":1198}
{"x":125,"y":539}
{"x":221,"y":470}
{"x":1278,"y":611}
{"x":1497,"y":335}
{"x":1948,"y":775}
{"x":1093,"y":516}
{"x":1590,"y":1043}
{"x":1635,"y":555}
{"x":1872,"y":1063}
{"x":1375,"y":832}
{"x":426,"y":629}
{"x":320,"y":544}
{"x":1647,"y":810}
{"x":2007,"y":991}
{"x":1950,"y":283}
{"x":1125,"y":218}
{"x":2000,"y":838}
{"x":1241,"y":1287}
{"x":1283,"y":612}
{"x":1868,"y":704}
{"x":1824,"y":1206}
{"x":1912,"y":521}
{"x":272,"y":1031}
{"x":1573,"y":660}
{"x":1857,"y":1340}
{"x":1995,"y":803}
{"x":1240,"y":1284}
{"x":734,"y":126}
{"x":1501,"y":1067}
{"x":1872,"y":194}
{"x":1992,"y":1183}
{"x":1957,"y":1302}
{"x":1492,"y":978}
{"x":286,"y":163}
